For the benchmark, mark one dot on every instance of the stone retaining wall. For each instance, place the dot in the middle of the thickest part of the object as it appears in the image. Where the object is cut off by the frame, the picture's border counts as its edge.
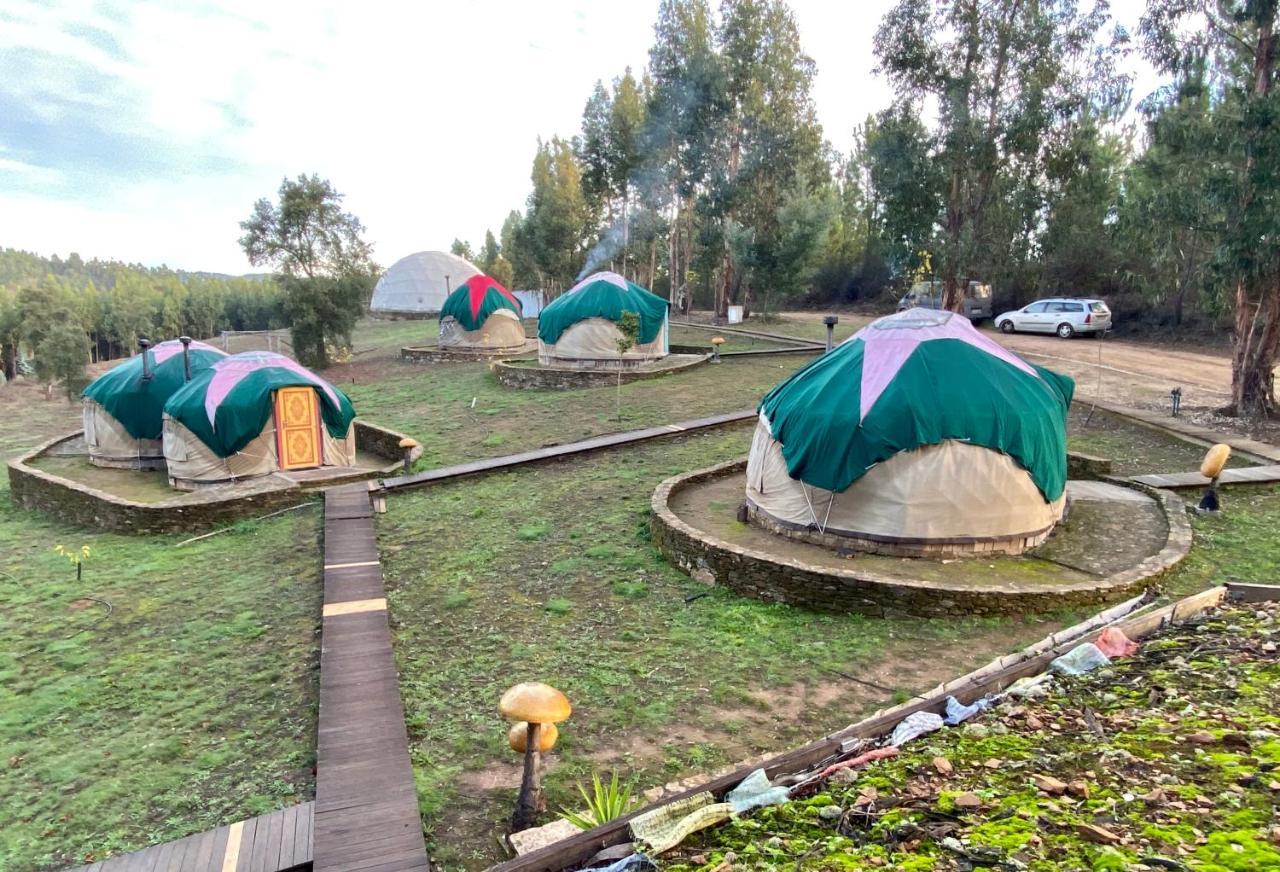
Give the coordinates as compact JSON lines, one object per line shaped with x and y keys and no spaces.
{"x":435,"y":354}
{"x":767,"y":577}
{"x":564,"y":378}
{"x":86,"y":506}
{"x":186,"y":511}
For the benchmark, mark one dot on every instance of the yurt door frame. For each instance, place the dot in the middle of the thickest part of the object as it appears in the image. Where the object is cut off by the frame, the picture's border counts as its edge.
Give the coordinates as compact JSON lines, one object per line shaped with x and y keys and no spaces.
{"x":298,"y":442}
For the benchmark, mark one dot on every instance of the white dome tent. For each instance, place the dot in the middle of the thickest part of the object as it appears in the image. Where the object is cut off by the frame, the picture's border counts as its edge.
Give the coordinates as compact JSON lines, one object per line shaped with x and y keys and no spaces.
{"x":417,"y":285}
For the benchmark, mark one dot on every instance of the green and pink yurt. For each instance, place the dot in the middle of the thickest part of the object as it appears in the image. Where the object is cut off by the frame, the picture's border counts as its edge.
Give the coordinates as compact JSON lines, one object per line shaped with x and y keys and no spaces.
{"x":917,"y":435}
{"x":579,"y":328}
{"x":123,"y":407}
{"x":481,"y":316}
{"x":254,"y":414}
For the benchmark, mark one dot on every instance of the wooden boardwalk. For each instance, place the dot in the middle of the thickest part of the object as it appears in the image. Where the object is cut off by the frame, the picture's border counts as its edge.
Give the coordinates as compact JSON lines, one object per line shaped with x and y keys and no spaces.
{"x":274,"y":842}
{"x":1243,"y":475}
{"x":366,"y":809}
{"x":568,"y":449}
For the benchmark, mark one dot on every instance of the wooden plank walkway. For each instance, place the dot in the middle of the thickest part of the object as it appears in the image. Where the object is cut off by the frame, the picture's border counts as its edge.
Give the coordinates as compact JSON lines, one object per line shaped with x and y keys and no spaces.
{"x":366,"y":810}
{"x":568,"y":449}
{"x":1243,"y":475}
{"x":1181,"y":428}
{"x":274,"y":842}
{"x":819,"y":344}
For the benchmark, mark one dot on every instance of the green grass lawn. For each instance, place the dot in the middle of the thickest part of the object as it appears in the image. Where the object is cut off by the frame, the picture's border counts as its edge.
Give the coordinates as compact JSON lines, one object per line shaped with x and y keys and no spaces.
{"x":191,"y":704}
{"x":548,"y":574}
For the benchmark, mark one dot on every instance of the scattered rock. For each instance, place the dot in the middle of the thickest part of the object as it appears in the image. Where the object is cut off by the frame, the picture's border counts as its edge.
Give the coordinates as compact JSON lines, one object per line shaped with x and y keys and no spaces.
{"x":943,"y":766}
{"x":845,"y":776}
{"x":1049,"y":784}
{"x":1079,"y":789}
{"x":866,"y":796}
{"x":1096,"y":834}
{"x":968,"y":801}
{"x":1202,"y":737}
{"x":993,"y":763}
{"x":698,"y":860}
{"x":1034,"y":723}
{"x":830,"y":812}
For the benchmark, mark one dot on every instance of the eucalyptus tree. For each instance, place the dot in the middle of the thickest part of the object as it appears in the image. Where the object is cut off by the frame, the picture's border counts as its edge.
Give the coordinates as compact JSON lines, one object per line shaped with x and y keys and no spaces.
{"x":1234,"y":43}
{"x":1002,"y":73}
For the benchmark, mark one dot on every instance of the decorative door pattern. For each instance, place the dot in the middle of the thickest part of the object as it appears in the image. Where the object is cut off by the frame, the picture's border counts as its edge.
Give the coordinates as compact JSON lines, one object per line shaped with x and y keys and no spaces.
{"x":297,"y":428}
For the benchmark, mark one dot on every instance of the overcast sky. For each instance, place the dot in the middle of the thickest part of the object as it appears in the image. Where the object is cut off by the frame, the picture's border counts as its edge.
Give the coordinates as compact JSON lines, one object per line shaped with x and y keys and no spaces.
{"x":145,"y":131}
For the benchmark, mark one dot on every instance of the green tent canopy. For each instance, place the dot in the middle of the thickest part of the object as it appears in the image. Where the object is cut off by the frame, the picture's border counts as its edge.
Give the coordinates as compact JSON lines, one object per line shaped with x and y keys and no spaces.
{"x":602,"y":295}
{"x":473,"y":301}
{"x":917,"y":379}
{"x":138,"y":402}
{"x":229,"y":404}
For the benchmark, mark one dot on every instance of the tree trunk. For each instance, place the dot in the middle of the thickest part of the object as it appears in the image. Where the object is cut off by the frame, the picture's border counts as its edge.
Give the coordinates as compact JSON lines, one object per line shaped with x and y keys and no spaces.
{"x":1257,"y":325}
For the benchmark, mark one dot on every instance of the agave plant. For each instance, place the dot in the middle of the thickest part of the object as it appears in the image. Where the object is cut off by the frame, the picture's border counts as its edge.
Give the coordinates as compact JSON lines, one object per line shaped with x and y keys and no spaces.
{"x":605,"y":802}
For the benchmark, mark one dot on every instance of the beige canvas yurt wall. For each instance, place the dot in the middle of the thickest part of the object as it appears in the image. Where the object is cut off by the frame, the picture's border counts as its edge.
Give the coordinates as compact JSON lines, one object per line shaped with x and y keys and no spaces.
{"x":193,"y":464}
{"x":593,"y":342}
{"x":110,"y":444}
{"x":987,"y":496}
{"x":502,"y":330}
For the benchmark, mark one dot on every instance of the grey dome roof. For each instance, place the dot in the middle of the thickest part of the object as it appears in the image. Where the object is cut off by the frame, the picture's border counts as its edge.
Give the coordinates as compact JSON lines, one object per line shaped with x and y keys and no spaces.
{"x":419,"y":283}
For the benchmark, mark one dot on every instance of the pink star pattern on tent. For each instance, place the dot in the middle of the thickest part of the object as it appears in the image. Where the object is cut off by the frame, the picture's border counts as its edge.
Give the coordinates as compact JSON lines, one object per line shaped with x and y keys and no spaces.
{"x":889,"y":342}
{"x":162,"y":351}
{"x":230,"y":371}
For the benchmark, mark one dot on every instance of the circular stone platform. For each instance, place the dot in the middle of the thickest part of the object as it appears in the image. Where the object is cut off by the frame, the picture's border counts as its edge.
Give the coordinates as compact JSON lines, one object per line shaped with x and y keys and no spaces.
{"x":532,"y":375}
{"x":1113,"y":541}
{"x":436,"y":354}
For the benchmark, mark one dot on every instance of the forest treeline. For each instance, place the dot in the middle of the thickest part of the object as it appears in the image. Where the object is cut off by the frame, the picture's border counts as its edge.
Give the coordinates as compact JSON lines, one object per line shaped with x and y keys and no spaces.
{"x":111,"y":305}
{"x":1014,"y":152}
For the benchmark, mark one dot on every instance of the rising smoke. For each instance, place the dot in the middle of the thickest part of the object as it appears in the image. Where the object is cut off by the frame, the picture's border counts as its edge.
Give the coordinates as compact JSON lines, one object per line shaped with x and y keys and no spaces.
{"x":609,"y":244}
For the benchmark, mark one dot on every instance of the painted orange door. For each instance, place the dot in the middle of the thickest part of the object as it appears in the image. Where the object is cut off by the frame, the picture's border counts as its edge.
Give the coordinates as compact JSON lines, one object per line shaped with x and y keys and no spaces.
{"x":297,"y":428}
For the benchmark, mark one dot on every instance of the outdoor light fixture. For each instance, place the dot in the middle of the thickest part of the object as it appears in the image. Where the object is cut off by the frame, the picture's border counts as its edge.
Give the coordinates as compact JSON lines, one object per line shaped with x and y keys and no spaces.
{"x":716,"y":342}
{"x":1175,"y":397}
{"x":831,"y":321}
{"x":144,"y":344}
{"x":186,"y":358}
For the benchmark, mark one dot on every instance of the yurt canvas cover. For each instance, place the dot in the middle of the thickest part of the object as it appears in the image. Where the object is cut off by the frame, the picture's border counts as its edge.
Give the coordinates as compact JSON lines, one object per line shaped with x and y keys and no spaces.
{"x":222,"y":425}
{"x":481,"y":315}
{"x":123,"y":411}
{"x":916,"y":427}
{"x":581,"y":323}
{"x":418,"y":285}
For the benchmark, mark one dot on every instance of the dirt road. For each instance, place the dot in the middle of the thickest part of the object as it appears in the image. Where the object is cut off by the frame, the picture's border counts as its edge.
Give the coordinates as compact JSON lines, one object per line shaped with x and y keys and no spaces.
{"x":1132,"y":373}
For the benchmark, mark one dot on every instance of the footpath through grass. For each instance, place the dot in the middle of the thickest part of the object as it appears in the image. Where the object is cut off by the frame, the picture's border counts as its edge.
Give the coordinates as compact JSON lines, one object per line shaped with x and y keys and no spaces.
{"x":188,"y":703}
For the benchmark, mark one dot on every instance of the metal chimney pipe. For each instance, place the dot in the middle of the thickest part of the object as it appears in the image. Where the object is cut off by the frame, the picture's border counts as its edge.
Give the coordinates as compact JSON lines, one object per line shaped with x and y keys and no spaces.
{"x":144,"y":344}
{"x":186,"y":358}
{"x":831,"y":321}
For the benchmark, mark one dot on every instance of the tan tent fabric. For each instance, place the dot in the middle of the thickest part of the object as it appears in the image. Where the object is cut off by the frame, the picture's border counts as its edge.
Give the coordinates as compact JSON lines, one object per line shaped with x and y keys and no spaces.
{"x":594,"y":341}
{"x":949,"y":491}
{"x":110,"y":443}
{"x":501,"y":330}
{"x":192,"y":463}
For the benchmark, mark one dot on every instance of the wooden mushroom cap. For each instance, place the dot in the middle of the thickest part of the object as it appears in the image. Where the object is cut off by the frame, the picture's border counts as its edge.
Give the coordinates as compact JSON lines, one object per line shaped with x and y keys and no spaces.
{"x":717,"y":340}
{"x":519,"y":734}
{"x":535,"y":702}
{"x":408,"y":442}
{"x":1215,"y":459}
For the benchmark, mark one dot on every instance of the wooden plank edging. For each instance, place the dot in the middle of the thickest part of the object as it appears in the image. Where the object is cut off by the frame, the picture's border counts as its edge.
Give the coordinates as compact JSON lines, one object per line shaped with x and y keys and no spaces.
{"x":966,"y":688}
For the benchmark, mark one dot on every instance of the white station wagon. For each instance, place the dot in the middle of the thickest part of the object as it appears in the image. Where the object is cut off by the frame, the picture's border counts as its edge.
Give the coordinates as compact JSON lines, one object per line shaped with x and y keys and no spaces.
{"x":1065,"y":316}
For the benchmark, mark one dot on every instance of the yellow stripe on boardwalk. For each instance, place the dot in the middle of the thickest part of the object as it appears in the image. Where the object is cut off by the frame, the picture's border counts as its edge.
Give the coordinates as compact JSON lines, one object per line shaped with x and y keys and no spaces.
{"x":231,"y":857}
{"x":328,"y":566}
{"x":353,"y":607}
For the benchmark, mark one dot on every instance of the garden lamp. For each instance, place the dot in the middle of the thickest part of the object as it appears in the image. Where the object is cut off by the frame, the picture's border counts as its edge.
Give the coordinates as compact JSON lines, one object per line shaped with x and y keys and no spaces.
{"x":144,"y":344}
{"x":831,"y":321}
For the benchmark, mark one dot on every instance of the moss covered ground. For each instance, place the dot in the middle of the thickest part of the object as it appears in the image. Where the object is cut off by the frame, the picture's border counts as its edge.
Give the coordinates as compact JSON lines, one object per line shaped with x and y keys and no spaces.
{"x":1169,"y":759}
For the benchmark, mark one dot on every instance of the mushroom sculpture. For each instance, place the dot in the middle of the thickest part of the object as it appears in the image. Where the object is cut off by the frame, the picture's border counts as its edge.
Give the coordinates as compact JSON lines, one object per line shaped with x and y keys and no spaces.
{"x":407,"y":444}
{"x":716,"y":342}
{"x":538,"y":708}
{"x":1215,"y":460}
